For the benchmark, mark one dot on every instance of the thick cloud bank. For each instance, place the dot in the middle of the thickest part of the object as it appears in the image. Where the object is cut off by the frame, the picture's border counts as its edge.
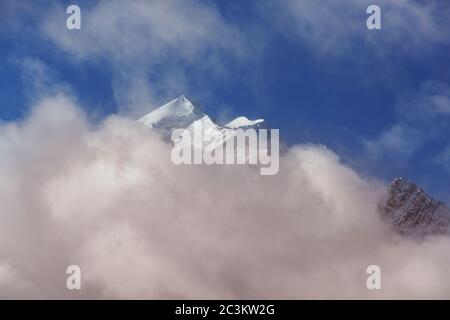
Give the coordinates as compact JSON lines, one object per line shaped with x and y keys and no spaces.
{"x":107,"y":197}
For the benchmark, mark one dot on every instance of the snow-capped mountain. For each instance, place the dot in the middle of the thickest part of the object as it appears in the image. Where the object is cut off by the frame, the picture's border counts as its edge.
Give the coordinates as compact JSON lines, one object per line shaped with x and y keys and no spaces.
{"x":412,"y":212}
{"x":408,"y":208}
{"x":181,"y":113}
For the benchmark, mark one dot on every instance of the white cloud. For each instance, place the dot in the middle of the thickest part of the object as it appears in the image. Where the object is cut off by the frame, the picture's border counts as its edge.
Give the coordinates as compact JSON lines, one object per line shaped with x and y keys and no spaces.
{"x":430,"y":103}
{"x":108,"y":198}
{"x":400,"y":140}
{"x":144,"y":30}
{"x":136,"y":38}
{"x":38,"y":79}
{"x":422,"y":117}
{"x":339,"y":27}
{"x":443,"y":158}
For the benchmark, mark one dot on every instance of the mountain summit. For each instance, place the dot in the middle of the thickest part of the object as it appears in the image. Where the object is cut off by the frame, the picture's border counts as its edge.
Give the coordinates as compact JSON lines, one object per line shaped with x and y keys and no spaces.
{"x":181,"y":113}
{"x":412,"y":212}
{"x":176,"y":114}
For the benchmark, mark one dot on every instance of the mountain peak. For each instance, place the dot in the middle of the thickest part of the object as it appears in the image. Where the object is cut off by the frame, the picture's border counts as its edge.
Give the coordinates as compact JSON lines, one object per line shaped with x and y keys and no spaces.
{"x":183,"y":98}
{"x":181,"y":113}
{"x":401,"y":184}
{"x":178,"y":112}
{"x":412,"y":212}
{"x":182,"y":101}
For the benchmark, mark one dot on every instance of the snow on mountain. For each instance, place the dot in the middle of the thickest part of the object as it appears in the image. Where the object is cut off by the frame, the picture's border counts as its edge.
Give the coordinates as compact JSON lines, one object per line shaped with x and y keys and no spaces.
{"x":243,"y":122}
{"x":181,"y":113}
{"x":176,"y":114}
{"x":412,"y":212}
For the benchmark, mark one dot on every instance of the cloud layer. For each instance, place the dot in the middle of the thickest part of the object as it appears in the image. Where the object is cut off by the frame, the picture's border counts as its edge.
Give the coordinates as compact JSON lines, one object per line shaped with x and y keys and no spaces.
{"x":107,"y":198}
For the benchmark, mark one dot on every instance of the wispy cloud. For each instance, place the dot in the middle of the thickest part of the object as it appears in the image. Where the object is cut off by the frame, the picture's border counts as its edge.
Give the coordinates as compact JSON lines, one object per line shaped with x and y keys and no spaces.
{"x":338,"y":28}
{"x":136,"y":38}
{"x":398,"y":141}
{"x":443,"y":158}
{"x":421,"y":118}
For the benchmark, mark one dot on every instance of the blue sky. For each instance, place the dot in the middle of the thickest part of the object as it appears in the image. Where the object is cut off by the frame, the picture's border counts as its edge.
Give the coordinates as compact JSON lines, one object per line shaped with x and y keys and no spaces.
{"x":380,"y":99}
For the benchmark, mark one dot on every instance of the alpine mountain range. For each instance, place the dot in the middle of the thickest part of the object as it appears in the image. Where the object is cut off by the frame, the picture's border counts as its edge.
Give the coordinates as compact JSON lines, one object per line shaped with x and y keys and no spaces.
{"x":408,"y":209}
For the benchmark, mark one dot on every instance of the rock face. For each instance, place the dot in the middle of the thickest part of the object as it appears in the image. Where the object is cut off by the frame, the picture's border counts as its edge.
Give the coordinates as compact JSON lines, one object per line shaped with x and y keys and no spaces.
{"x":412,"y":212}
